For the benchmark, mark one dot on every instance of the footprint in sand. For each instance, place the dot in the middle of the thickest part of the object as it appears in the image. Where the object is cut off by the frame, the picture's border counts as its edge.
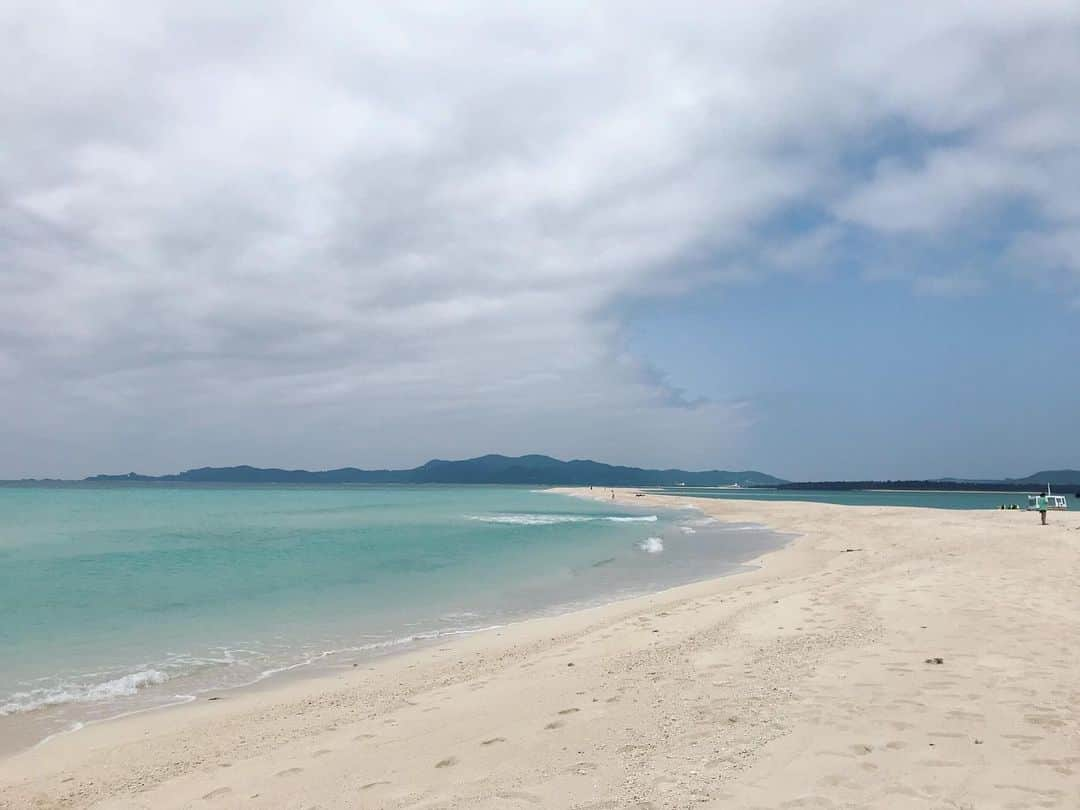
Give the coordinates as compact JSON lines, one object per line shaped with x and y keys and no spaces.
{"x":370,"y":785}
{"x":449,"y":762}
{"x":1044,"y":720}
{"x":518,"y":794}
{"x":289,"y":772}
{"x":555,"y":724}
{"x":493,"y":740}
{"x":569,"y":711}
{"x":213,"y":794}
{"x":941,"y":763}
{"x":322,"y":752}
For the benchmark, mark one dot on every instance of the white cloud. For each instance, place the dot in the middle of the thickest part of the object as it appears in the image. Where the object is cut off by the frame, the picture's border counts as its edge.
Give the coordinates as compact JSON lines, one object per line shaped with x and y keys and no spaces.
{"x":337,"y":233}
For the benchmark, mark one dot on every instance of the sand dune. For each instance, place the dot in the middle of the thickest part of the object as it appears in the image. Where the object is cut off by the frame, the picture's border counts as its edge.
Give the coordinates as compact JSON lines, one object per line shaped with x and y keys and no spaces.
{"x":892,"y":658}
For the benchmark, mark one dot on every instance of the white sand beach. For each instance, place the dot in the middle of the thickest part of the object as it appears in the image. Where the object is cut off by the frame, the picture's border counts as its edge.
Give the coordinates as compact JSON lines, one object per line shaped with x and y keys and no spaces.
{"x":886,"y":658}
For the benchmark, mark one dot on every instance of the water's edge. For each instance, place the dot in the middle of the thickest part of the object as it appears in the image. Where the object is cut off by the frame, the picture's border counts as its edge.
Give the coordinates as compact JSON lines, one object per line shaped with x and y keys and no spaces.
{"x":24,"y":730}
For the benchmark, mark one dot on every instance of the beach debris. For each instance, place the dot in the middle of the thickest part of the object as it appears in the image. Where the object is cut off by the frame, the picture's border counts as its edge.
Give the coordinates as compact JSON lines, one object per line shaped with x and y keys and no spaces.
{"x":846,"y":550}
{"x":978,"y":741}
{"x":935,"y":660}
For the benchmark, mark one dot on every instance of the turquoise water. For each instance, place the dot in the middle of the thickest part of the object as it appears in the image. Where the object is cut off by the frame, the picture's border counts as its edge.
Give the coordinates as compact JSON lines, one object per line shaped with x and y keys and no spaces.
{"x":116,"y":598}
{"x":933,"y":500}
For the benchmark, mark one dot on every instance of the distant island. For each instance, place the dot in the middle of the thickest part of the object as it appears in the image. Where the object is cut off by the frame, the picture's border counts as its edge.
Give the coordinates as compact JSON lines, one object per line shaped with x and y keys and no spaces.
{"x":1064,"y":480}
{"x":490,"y":469}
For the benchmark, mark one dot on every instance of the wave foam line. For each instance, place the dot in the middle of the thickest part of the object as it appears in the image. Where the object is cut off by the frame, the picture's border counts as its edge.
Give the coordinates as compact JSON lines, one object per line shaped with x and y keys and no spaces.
{"x":376,"y":645}
{"x":551,"y":520}
{"x":124,"y":686}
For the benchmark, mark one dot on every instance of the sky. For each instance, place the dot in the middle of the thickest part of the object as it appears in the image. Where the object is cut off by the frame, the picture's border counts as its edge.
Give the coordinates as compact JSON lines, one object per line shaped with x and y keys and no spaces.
{"x":828,"y":240}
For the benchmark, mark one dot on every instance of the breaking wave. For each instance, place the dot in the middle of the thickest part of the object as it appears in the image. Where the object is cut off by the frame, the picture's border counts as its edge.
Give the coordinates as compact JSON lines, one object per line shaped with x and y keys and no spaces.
{"x":551,"y":520}
{"x":124,"y":686}
{"x":652,"y":545}
{"x":531,"y":520}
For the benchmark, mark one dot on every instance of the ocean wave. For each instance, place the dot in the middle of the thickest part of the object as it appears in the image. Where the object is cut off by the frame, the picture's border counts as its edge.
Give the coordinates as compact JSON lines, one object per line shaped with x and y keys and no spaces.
{"x":552,"y":519}
{"x":124,"y":686}
{"x":652,"y":545}
{"x":530,"y":520}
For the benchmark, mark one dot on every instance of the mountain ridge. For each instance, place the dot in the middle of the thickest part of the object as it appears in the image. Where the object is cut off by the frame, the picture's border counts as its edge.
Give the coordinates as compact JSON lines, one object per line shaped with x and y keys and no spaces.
{"x":1051,"y":477}
{"x":488,"y":469}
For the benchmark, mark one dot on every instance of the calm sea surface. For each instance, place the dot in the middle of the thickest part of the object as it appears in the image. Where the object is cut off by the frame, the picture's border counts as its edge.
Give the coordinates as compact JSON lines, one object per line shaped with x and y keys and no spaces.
{"x":115,"y":599}
{"x":934,"y":500}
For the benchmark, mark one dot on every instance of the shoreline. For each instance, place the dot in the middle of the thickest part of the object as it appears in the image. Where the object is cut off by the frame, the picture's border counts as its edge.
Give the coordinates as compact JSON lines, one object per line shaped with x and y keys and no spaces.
{"x":25,"y":731}
{"x":681,"y":696}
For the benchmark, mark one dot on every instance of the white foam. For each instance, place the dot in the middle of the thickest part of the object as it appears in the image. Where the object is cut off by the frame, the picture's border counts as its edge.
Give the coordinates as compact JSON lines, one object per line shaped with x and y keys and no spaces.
{"x":124,"y":686}
{"x":652,"y":545}
{"x":530,"y":520}
{"x":688,"y":530}
{"x":551,"y":520}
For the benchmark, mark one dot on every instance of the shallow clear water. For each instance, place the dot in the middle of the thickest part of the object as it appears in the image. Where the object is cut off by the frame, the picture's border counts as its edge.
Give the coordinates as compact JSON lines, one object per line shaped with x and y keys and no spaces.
{"x":933,"y":500}
{"x":118,"y":598}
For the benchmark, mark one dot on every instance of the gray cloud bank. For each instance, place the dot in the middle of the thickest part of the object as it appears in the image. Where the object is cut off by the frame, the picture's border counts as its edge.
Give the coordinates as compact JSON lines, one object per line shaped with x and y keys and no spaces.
{"x":349,"y":233}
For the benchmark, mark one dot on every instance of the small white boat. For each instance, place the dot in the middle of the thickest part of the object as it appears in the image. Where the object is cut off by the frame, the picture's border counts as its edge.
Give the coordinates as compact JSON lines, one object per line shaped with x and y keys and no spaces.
{"x":1047,"y":502}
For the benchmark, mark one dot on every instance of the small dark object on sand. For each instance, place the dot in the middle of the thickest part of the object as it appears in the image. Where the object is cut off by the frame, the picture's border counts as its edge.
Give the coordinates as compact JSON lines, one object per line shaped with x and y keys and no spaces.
{"x":570,"y":664}
{"x":851,"y":549}
{"x":214,"y":698}
{"x":935,"y":660}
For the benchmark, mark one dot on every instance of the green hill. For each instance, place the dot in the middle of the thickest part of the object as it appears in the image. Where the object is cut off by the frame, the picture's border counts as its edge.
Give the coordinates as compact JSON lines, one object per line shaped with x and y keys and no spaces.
{"x":490,"y":469}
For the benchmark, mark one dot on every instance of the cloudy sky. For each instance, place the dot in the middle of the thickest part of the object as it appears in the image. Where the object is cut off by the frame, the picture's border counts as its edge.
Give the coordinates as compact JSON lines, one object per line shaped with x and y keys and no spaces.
{"x":821,"y":240}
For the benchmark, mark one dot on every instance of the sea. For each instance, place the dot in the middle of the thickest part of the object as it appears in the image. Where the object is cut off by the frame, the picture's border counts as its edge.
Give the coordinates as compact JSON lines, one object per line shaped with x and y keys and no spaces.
{"x":117,"y":599}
